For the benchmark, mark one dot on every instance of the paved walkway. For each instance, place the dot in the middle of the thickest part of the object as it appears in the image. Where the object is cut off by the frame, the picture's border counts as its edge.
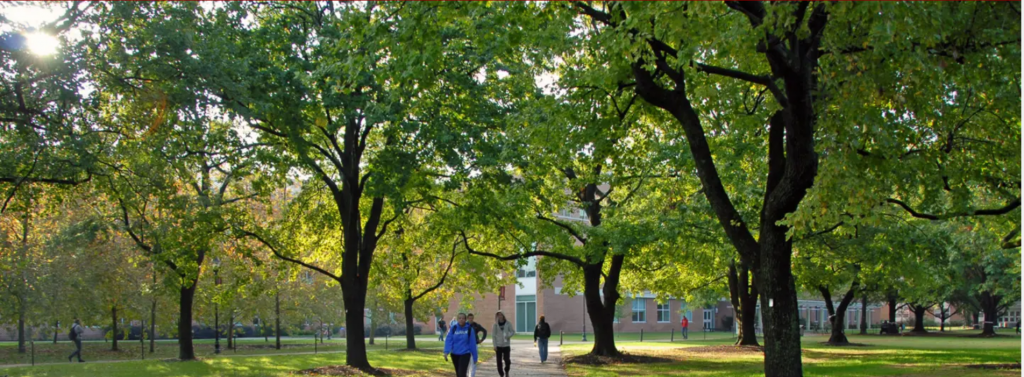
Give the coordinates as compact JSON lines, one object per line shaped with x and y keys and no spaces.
{"x":526,"y":362}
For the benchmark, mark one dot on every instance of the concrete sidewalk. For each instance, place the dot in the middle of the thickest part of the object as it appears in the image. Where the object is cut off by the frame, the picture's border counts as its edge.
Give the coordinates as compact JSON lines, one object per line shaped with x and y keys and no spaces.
{"x":526,"y":362}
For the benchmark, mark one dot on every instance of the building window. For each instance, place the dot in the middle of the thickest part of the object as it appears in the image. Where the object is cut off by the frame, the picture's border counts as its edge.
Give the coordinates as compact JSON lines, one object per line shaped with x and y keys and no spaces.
{"x":664,"y":315}
{"x":709,"y":318}
{"x":529,"y":270}
{"x":639,"y":311}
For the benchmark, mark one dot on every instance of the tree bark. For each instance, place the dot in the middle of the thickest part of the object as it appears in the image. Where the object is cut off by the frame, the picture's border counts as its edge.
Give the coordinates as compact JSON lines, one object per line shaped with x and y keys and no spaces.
{"x":744,"y":303}
{"x":892,"y":307}
{"x":277,"y":320}
{"x":990,"y":307}
{"x":602,"y":314}
{"x":837,"y":315}
{"x":410,"y":339}
{"x":354,"y":298}
{"x":864,"y":313}
{"x":152,"y":327}
{"x":919,"y":313}
{"x":186,"y":350}
{"x":113,"y":329}
{"x":21,"y":327}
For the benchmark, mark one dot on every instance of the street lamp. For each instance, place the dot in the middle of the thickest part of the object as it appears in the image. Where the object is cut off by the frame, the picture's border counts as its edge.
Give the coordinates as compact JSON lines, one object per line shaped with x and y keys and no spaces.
{"x":216,"y":308}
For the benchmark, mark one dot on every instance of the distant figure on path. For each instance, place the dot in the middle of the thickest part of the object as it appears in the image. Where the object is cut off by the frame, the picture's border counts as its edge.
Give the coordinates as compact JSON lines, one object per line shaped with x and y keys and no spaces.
{"x":686,"y":327}
{"x":76,"y":336}
{"x":443,"y":327}
{"x":461,"y":344}
{"x":502,"y":340}
{"x":541,"y":333}
{"x":477,"y":329}
{"x":1018,"y":326}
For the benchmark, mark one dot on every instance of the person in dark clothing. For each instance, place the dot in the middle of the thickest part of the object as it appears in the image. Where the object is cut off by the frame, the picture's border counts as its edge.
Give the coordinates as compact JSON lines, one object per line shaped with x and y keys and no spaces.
{"x":461,"y":345}
{"x":76,"y":336}
{"x":477,"y":329}
{"x":1018,"y":327}
{"x":444,"y":329}
{"x":501,"y":338}
{"x":541,"y":333}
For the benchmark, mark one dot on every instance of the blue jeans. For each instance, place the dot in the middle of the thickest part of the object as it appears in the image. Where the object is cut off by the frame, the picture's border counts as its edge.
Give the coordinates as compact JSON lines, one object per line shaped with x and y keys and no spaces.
{"x":542,"y":345}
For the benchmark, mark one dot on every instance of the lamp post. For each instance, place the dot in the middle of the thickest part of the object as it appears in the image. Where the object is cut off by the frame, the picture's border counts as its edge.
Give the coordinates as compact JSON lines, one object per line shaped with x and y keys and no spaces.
{"x":216,"y":308}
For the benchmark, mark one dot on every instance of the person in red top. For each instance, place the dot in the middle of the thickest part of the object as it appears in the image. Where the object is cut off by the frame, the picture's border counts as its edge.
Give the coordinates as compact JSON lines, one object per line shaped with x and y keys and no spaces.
{"x":686,"y":327}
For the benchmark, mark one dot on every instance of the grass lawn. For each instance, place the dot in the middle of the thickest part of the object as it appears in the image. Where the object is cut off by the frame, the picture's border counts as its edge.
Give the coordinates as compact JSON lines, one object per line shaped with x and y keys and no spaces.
{"x":47,"y":352}
{"x":932,"y":355}
{"x":425,"y":362}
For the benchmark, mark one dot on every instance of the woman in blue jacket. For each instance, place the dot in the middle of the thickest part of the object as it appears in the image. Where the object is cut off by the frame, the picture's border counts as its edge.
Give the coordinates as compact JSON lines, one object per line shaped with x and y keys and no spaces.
{"x":461,"y":344}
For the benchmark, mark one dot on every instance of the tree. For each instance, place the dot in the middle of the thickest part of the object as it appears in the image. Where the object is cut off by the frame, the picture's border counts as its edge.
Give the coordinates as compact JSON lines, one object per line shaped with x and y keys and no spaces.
{"x":417,"y":262}
{"x":352,"y":114}
{"x":808,"y":74}
{"x":48,"y":133}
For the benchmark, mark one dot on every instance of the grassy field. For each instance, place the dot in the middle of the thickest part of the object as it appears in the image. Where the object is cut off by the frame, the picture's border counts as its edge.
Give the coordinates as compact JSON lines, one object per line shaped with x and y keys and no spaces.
{"x":47,"y":352}
{"x":931,"y":355}
{"x":424,"y":363}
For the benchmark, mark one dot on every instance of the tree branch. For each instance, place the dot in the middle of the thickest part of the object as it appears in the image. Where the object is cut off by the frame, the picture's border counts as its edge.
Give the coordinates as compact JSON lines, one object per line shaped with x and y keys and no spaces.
{"x":978,"y":212}
{"x":439,"y":283}
{"x":286,"y":258}
{"x":564,"y":226}
{"x":574,"y":260}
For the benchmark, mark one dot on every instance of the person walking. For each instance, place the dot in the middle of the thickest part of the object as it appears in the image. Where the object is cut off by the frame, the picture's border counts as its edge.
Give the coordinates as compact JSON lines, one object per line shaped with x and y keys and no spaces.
{"x":461,"y":345}
{"x":1018,"y":327}
{"x":541,"y":333}
{"x":477,"y":329}
{"x":686,"y":327}
{"x":501,"y":337}
{"x":443,"y":327}
{"x":76,"y":336}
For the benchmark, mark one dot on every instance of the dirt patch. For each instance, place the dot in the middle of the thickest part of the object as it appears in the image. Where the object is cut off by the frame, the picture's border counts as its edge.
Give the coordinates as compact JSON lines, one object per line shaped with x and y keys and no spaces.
{"x":994,"y":366}
{"x":725,"y":349}
{"x":845,"y":345}
{"x":625,"y":358}
{"x":344,"y":370}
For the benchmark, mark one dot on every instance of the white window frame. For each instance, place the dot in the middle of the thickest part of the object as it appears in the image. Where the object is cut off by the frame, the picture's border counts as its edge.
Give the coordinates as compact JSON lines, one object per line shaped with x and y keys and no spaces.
{"x":709,"y":318}
{"x":642,"y":311}
{"x":665,"y":309}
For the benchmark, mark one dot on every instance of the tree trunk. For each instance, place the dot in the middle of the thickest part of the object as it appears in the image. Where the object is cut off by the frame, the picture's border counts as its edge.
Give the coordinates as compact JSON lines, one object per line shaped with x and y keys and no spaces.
{"x":990,"y":307}
{"x":892,"y":307}
{"x":410,"y":339}
{"x":113,"y":329}
{"x":152,"y":327}
{"x":974,"y":318}
{"x":230,"y":330}
{"x":320,"y":331}
{"x":778,"y":296}
{"x":602,"y":314}
{"x":186,"y":350}
{"x":864,"y":313}
{"x":354,"y":298}
{"x":373,"y":323}
{"x":277,"y":320}
{"x":919,"y":312}
{"x":21,"y":329}
{"x":837,"y":315}
{"x":744,"y":303}
{"x":56,"y":330}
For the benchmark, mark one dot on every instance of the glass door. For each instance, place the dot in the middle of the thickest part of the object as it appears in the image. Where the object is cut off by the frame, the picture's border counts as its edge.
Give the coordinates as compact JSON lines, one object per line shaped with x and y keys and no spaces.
{"x":526,"y":313}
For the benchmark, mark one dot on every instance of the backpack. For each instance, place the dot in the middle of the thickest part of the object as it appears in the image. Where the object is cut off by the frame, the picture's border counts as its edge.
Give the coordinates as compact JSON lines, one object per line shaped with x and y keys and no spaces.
{"x":73,"y":335}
